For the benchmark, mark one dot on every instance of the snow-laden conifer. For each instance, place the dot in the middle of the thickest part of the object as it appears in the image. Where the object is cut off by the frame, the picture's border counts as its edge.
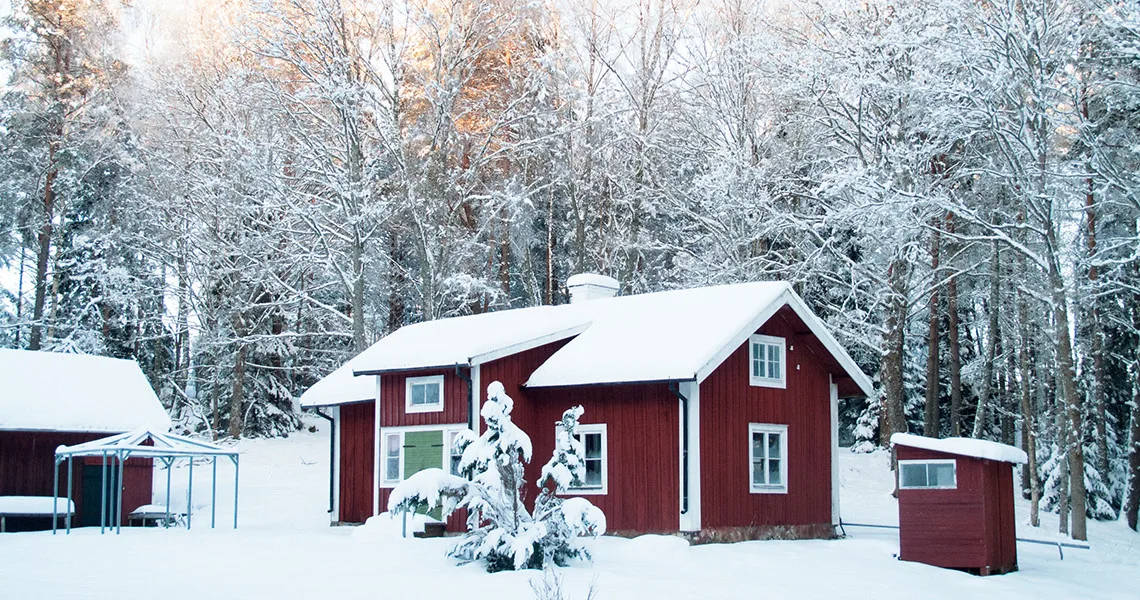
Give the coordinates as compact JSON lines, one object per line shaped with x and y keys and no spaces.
{"x":500,"y":529}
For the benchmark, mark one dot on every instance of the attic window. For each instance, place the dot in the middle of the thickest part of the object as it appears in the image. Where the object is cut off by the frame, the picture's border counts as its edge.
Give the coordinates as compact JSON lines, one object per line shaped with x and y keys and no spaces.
{"x":424,"y":394}
{"x":766,"y":361}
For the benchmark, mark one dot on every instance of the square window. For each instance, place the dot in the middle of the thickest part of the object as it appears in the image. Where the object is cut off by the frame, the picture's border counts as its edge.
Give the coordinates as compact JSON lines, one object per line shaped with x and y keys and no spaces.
{"x":767,"y":452}
{"x":766,"y":356}
{"x":424,"y":394}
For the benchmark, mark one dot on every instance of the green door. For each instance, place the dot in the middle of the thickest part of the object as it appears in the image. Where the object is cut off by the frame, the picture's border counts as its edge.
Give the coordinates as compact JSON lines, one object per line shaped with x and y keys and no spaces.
{"x":93,"y":496}
{"x":423,"y":450}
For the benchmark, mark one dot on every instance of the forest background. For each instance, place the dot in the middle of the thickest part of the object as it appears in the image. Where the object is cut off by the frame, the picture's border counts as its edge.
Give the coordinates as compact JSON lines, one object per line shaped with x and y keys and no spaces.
{"x":241,"y":195}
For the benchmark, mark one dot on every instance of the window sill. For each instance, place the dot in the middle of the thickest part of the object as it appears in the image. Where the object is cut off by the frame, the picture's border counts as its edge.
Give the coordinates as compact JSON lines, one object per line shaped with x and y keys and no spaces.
{"x":424,"y":408}
{"x":770,"y":490}
{"x":583,"y":492}
{"x":768,"y":383}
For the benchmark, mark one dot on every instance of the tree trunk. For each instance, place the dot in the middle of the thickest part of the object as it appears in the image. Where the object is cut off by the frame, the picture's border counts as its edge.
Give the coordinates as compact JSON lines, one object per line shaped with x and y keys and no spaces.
{"x":981,"y":417}
{"x":43,"y":249}
{"x":396,"y":283}
{"x":551,"y":285}
{"x":955,"y":347}
{"x":238,"y":396}
{"x":1096,"y":336}
{"x":933,"y":392}
{"x":893,"y":417}
{"x":1068,"y":385}
{"x":1030,"y":479}
{"x":358,"y":341}
{"x":1132,"y":499}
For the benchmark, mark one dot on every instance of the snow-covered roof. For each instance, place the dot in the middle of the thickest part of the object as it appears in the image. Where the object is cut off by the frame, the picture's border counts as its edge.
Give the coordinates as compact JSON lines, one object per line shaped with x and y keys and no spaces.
{"x":339,"y":387}
{"x":145,"y":442}
{"x":46,"y":391}
{"x":963,"y":447}
{"x":473,"y":339}
{"x":676,"y":335}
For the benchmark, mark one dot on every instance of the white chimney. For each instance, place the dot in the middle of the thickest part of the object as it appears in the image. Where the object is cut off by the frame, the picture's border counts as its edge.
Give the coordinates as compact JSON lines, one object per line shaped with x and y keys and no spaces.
{"x":591,"y":286}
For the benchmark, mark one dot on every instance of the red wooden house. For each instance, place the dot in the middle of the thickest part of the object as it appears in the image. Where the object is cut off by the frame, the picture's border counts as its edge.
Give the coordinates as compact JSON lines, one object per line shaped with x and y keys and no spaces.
{"x":48,"y":400}
{"x":956,"y":502}
{"x":711,"y":411}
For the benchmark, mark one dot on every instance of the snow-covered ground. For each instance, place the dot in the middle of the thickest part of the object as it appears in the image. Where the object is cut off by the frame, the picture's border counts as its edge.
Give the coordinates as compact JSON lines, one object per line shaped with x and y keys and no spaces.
{"x":285,"y":549}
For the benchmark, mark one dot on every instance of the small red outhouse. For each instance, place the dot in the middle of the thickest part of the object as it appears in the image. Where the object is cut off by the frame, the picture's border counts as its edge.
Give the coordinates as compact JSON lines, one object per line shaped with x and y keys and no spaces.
{"x":956,"y":502}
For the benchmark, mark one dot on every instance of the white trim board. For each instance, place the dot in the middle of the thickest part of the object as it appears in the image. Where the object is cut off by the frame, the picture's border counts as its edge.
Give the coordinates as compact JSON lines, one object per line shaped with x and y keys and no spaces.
{"x":791,"y":299}
{"x":531,"y":344}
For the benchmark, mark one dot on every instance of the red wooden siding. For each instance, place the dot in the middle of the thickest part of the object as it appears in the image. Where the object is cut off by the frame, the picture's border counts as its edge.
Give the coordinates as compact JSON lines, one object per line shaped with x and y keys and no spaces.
{"x":970,"y":527}
{"x":392,"y":401}
{"x":513,"y":371}
{"x":642,"y":439}
{"x":357,"y":431}
{"x":728,"y":404}
{"x":26,"y":459}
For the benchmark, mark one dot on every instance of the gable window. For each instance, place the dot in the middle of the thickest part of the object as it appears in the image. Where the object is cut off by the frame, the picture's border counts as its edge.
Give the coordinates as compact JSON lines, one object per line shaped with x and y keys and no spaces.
{"x":768,"y":458}
{"x":393,"y":445}
{"x":928,"y":474}
{"x":595,"y":477}
{"x":766,"y":361}
{"x":424,"y":394}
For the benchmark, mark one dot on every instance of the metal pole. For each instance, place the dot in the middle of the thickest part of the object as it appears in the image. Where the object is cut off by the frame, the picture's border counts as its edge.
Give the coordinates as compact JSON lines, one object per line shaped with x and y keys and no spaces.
{"x":103,"y":497}
{"x":235,"y":489}
{"x":69,"y":478}
{"x":190,"y":495}
{"x":213,"y":491}
{"x":169,"y":462}
{"x":119,"y":506}
{"x":54,"y":493}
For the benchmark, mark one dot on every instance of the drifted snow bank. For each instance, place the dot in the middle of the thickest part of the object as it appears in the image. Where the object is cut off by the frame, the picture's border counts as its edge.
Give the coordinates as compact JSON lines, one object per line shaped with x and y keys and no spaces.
{"x":963,"y":447}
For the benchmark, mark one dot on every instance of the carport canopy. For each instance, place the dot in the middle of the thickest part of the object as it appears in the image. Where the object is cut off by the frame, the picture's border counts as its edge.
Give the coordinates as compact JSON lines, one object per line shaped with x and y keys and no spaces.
{"x":145,"y":443}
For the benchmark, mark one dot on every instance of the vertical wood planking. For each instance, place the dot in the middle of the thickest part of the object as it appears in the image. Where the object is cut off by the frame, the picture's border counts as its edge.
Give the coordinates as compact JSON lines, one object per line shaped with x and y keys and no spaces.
{"x":357,"y":429}
{"x":729,"y":403}
{"x":393,"y":407}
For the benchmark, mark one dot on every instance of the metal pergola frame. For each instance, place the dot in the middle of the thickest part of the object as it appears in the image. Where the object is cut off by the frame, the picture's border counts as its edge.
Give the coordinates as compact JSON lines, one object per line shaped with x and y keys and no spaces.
{"x":164,"y":447}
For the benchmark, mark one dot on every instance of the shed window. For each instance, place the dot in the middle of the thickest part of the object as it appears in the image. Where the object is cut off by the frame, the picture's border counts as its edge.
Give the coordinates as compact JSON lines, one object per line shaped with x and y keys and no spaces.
{"x":595,"y":478}
{"x":766,"y":361}
{"x":424,"y":394}
{"x":393,"y":445}
{"x":768,"y":458}
{"x":928,"y":474}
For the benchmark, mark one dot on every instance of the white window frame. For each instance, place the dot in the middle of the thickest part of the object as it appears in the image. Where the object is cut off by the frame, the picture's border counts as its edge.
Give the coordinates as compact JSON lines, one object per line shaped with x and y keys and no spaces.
{"x":780,"y":382}
{"x":385,"y":482}
{"x":422,"y":408}
{"x":925,"y":462}
{"x":594,"y":428}
{"x":449,"y":438}
{"x":782,"y":430}
{"x":448,"y":430}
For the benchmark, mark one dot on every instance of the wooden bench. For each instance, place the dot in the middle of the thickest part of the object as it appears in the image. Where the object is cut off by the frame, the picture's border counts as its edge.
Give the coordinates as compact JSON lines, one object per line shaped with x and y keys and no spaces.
{"x":33,"y":507}
{"x":154,"y":515}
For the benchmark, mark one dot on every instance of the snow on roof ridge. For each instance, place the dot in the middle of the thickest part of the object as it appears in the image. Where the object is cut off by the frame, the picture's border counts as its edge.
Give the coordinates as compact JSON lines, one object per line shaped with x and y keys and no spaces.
{"x":963,"y":446}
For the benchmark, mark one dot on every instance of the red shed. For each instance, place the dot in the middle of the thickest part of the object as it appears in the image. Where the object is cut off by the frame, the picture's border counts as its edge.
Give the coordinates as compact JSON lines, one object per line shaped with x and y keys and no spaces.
{"x":956,"y":502}
{"x":708,"y":411}
{"x":49,"y":399}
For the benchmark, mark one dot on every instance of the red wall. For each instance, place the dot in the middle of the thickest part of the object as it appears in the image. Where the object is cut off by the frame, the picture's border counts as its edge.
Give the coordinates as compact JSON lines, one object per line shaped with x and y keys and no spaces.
{"x":26,"y":459}
{"x":392,"y":403}
{"x":642,"y":439}
{"x":357,"y":449}
{"x":970,"y":527}
{"x":728,"y":404}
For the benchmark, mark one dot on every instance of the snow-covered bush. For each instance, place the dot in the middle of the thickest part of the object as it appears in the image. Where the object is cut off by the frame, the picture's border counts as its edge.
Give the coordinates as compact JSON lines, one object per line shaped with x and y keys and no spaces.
{"x":499,"y":527}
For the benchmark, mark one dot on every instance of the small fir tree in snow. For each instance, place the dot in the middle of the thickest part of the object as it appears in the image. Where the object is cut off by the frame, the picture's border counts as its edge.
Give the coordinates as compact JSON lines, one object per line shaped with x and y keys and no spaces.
{"x":500,"y":529}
